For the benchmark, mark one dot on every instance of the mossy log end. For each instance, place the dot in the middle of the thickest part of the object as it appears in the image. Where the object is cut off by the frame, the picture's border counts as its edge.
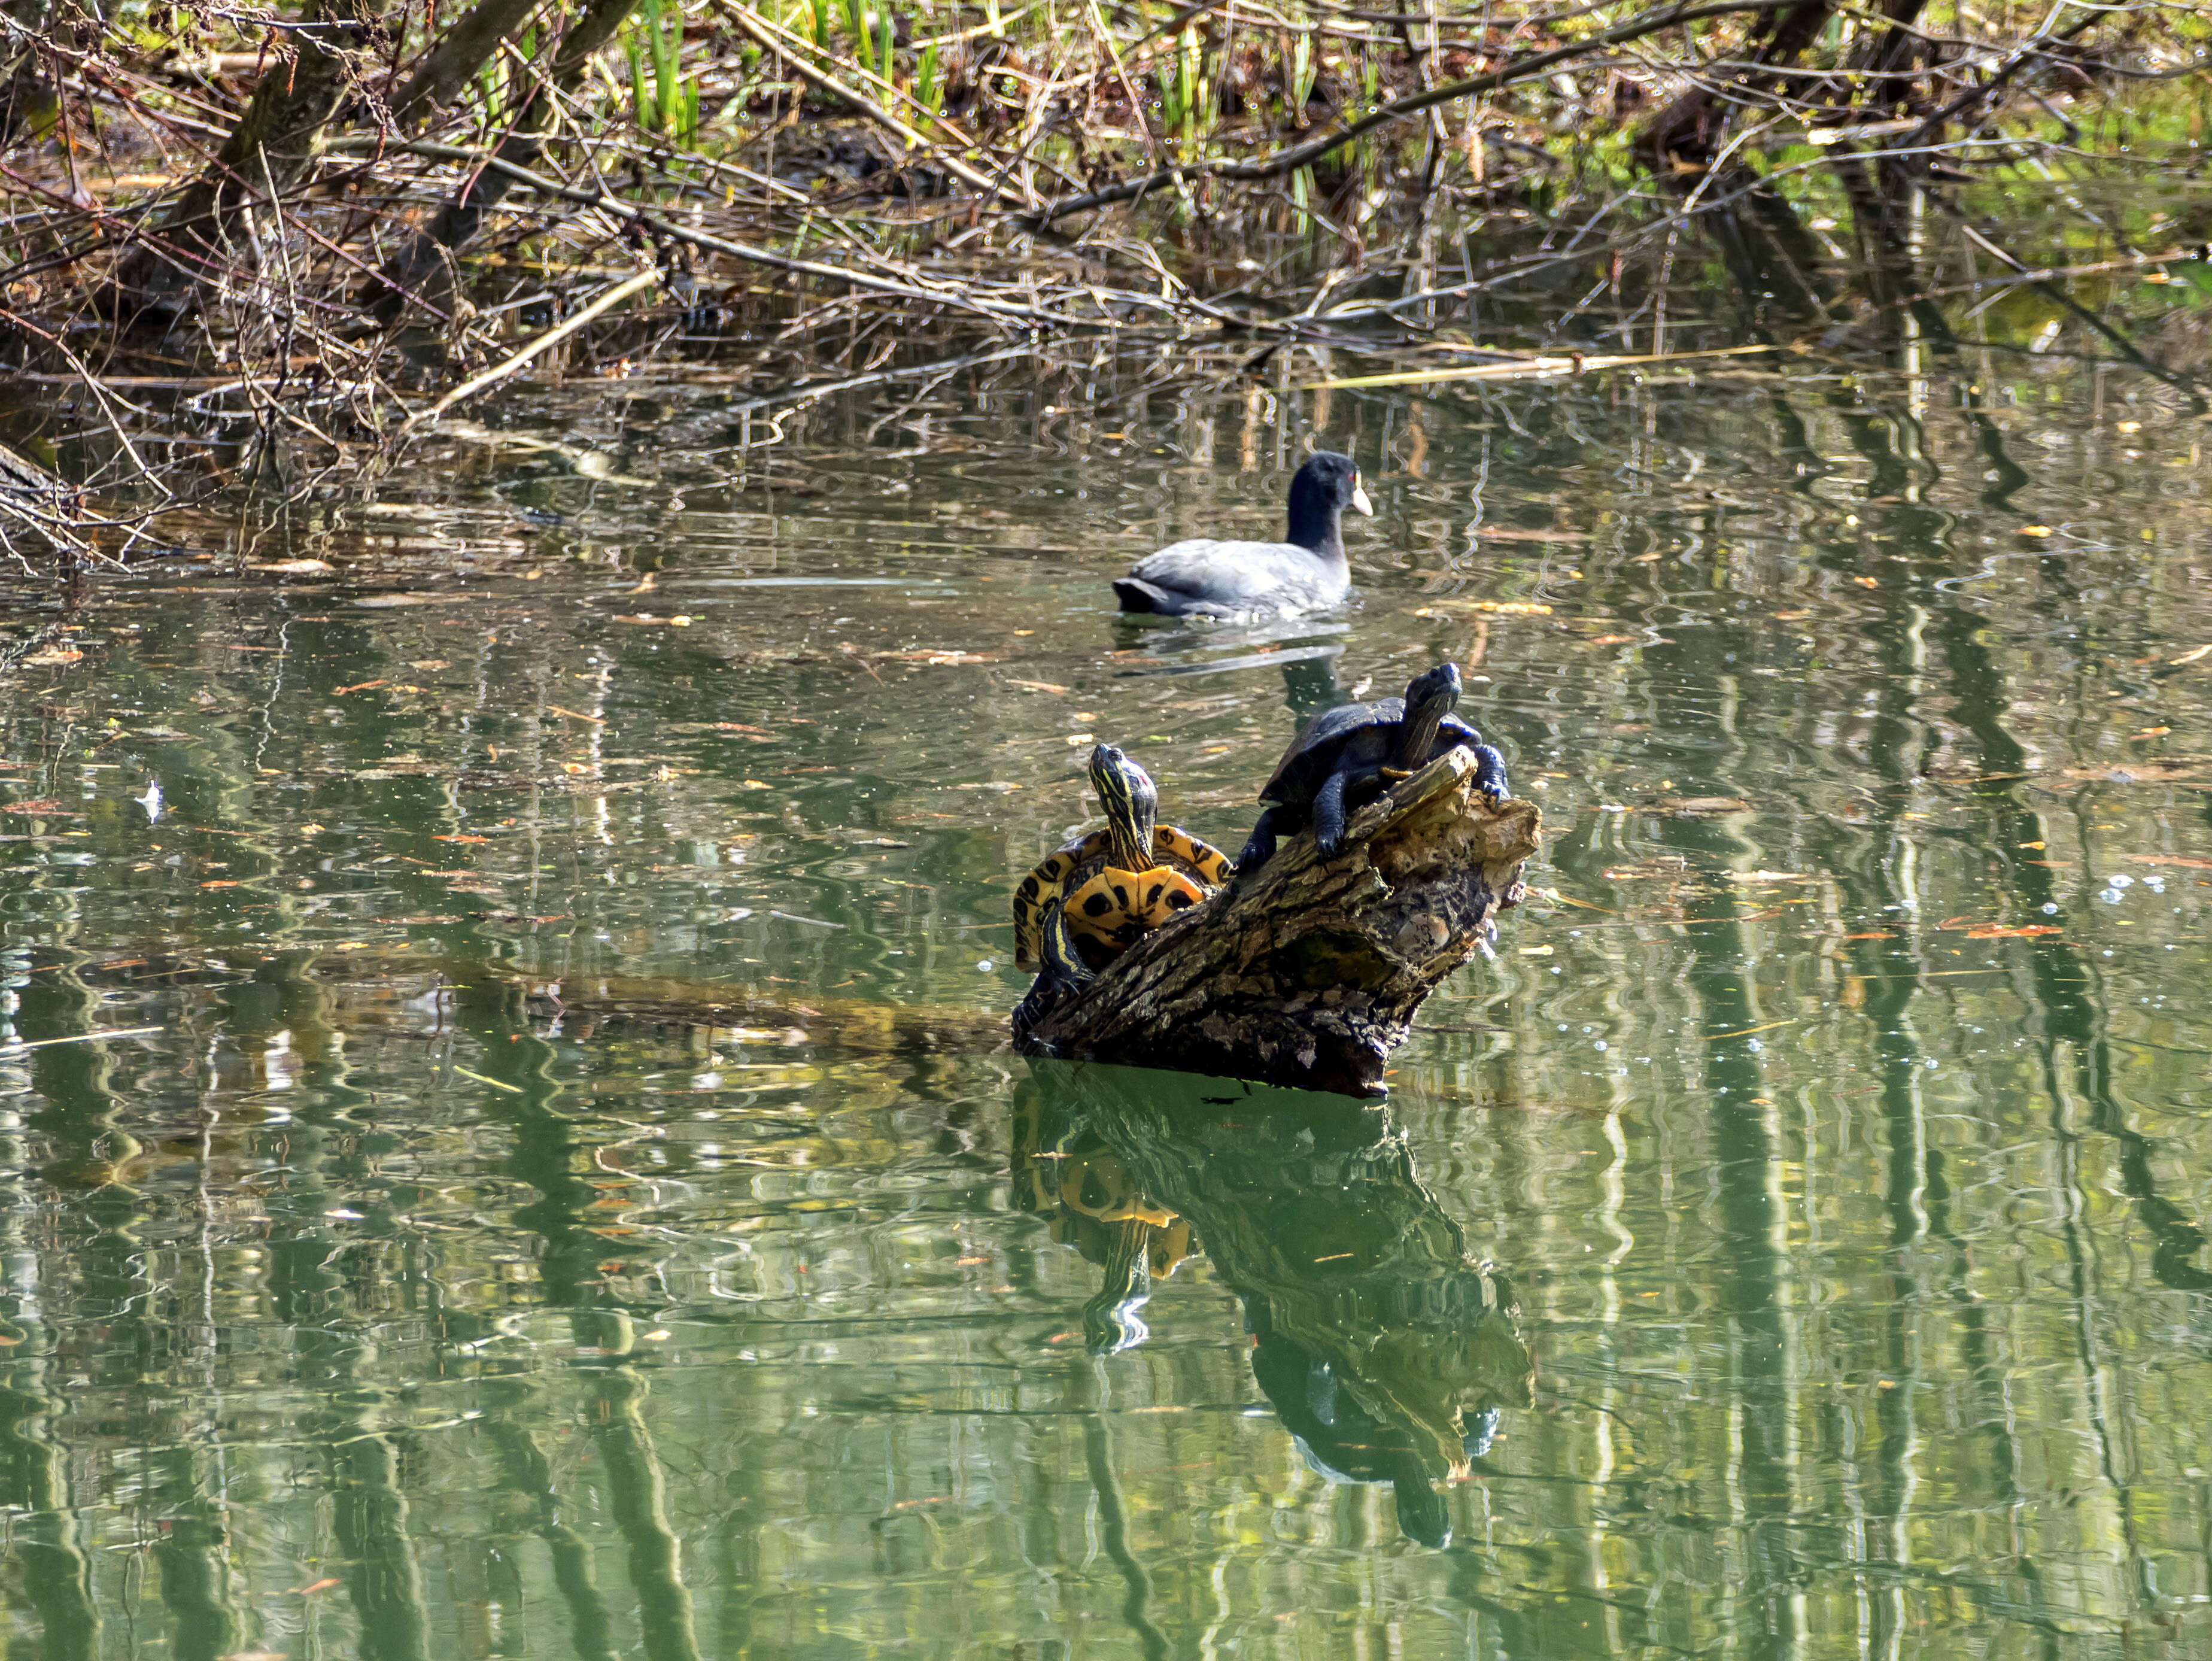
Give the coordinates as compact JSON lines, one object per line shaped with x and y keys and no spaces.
{"x":1309,"y":972}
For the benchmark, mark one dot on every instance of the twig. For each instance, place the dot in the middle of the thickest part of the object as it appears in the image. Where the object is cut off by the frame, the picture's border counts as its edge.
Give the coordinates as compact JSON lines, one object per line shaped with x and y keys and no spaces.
{"x":665,"y":228}
{"x":1301,"y":156}
{"x":475,"y":384}
{"x":1576,"y":364}
{"x":758,"y":30}
{"x":14,"y":1044}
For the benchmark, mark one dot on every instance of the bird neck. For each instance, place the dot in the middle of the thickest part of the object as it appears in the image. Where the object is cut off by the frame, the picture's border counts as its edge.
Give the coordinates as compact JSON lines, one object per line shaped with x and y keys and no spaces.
{"x":1316,"y":519}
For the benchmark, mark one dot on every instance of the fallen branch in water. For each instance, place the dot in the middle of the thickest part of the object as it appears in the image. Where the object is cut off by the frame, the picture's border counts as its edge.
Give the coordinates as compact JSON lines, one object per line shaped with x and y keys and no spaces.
{"x":552,"y":337}
{"x":1309,"y":972}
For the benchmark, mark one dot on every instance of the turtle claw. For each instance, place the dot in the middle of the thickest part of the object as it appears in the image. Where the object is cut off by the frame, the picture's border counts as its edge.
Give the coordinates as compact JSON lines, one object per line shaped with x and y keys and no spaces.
{"x":1489,"y":773}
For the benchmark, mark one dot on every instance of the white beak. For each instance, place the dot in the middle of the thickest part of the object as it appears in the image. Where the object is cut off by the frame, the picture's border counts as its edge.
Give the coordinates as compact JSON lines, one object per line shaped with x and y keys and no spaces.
{"x":1359,"y":499}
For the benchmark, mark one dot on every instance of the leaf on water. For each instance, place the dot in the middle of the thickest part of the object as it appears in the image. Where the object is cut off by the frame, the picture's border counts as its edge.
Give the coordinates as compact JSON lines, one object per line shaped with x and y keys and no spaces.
{"x":2138,"y":772}
{"x":1516,"y":533}
{"x":1499,"y":608}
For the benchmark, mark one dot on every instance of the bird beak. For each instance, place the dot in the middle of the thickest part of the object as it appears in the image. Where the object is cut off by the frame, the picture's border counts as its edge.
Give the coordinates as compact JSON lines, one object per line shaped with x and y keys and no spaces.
{"x":1359,"y":499}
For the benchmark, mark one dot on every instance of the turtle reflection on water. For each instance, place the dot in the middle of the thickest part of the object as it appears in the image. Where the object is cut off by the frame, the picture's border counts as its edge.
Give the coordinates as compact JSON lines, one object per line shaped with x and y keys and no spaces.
{"x":1115,"y":885}
{"x":1079,"y":1189}
{"x":1347,"y":757}
{"x":1385,"y":1350}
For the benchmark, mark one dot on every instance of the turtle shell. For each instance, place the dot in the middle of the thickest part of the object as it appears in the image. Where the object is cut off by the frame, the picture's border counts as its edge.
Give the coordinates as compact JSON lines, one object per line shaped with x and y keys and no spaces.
{"x":1054,"y":878}
{"x":1127,"y":905}
{"x":1312,"y":754}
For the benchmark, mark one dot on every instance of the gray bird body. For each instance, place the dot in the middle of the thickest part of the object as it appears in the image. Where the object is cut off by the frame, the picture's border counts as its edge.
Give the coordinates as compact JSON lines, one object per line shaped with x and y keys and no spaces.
{"x":1307,"y":572}
{"x":1206,"y":578}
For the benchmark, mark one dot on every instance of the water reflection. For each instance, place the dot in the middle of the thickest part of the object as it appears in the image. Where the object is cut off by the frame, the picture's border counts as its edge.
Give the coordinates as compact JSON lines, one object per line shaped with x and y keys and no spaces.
{"x":1387,"y":1351}
{"x":1308,"y":651}
{"x":563,"y":1203}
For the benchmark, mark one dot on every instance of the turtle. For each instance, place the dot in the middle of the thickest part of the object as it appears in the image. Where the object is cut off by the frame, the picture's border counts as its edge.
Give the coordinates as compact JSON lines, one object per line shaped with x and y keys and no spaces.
{"x":1117,"y":885}
{"x":1062,"y":969}
{"x":1349,"y":755}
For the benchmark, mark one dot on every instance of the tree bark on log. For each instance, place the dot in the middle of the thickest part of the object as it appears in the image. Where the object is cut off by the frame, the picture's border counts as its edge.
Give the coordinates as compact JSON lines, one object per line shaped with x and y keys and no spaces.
{"x":1309,"y":972}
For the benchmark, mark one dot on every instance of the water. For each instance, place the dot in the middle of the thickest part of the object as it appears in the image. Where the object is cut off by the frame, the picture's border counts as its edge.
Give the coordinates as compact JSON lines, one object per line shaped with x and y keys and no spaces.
{"x":1791,"y":1246}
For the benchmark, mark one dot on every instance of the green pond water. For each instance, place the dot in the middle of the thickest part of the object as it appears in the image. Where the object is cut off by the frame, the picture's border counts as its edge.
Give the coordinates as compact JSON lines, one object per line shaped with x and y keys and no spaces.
{"x":1791,"y":1246}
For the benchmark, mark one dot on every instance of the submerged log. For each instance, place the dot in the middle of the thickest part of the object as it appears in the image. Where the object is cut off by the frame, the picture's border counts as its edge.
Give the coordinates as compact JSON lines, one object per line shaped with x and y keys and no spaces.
{"x":1309,"y":972}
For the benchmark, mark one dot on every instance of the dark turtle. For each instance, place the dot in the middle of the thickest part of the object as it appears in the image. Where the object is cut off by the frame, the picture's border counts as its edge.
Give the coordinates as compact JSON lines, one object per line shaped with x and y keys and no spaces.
{"x":1117,"y":885}
{"x":1348,"y":756}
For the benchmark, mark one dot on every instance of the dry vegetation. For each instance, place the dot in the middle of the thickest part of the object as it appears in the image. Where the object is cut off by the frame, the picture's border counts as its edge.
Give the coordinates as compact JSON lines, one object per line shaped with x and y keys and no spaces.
{"x":268,"y":247}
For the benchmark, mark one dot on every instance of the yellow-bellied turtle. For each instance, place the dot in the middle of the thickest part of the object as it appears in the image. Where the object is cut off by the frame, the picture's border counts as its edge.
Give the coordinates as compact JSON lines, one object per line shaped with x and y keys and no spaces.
{"x":1349,"y":755}
{"x":1117,"y":885}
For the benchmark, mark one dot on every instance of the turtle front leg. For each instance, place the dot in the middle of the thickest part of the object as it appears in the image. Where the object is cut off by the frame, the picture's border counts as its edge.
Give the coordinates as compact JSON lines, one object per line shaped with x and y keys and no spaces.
{"x":1328,"y":814}
{"x":1259,"y":847}
{"x":1490,"y":773}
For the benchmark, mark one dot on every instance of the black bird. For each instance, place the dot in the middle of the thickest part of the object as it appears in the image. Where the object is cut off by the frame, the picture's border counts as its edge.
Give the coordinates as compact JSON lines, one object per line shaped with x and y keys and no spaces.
{"x":1306,"y":572}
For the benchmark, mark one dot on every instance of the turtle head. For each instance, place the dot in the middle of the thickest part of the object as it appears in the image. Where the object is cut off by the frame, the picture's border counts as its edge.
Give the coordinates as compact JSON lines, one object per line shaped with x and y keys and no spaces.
{"x":1429,"y":699}
{"x":1131,"y":803}
{"x":1321,"y":491}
